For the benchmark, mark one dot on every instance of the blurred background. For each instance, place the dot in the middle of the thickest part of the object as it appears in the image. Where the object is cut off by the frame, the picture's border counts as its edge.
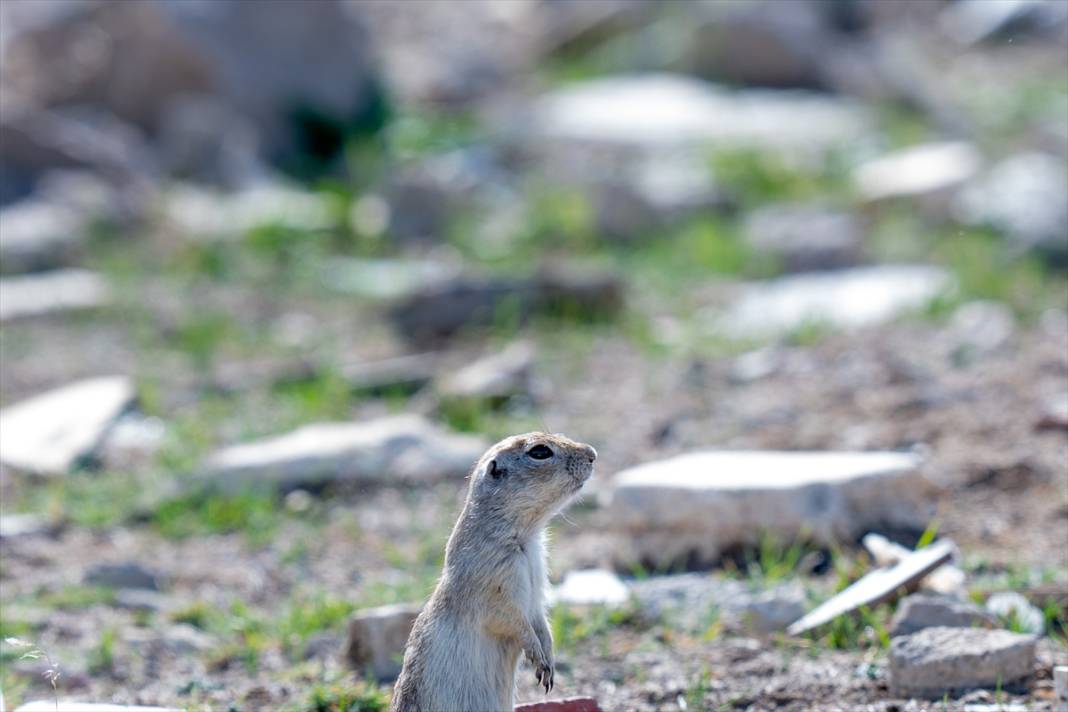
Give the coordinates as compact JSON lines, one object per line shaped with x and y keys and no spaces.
{"x":274,"y":274}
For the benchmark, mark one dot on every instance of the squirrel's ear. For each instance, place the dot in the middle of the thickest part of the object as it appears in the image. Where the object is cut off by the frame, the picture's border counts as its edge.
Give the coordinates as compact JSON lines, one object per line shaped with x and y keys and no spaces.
{"x":495,"y":470}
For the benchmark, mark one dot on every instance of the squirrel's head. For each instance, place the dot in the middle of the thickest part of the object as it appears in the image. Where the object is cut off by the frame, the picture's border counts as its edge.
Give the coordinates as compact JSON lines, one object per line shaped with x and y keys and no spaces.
{"x":531,"y":476}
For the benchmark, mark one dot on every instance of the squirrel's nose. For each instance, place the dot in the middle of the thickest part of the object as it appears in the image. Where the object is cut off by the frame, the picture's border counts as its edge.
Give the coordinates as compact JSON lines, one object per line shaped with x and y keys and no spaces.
{"x":591,"y":453}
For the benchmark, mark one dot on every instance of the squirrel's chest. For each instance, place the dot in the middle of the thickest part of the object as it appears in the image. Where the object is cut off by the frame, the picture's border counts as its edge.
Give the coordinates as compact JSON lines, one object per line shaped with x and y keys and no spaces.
{"x":531,"y":573}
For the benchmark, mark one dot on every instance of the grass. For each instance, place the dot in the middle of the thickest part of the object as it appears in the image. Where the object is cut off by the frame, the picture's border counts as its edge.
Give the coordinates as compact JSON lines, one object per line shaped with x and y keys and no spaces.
{"x":256,"y":514}
{"x":572,"y":626}
{"x":101,"y":658}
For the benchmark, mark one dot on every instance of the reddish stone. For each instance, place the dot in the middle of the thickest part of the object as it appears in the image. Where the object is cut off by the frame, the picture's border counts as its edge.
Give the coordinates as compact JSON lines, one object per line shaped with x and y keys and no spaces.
{"x":571,"y":704}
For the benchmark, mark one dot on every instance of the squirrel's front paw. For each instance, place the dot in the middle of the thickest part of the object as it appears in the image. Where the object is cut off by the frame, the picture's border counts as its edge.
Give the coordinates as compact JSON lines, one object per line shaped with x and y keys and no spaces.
{"x":545,"y":673}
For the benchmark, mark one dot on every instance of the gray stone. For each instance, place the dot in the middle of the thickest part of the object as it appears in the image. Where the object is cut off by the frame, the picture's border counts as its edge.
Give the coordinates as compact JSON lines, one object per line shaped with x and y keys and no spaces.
{"x":124,"y":575}
{"x":52,"y":292}
{"x":140,"y":600}
{"x":184,"y":639}
{"x":917,"y":171}
{"x":36,"y":235}
{"x":843,"y":299}
{"x":654,"y":112}
{"x":698,"y":504}
{"x":493,"y":377}
{"x":403,"y":448}
{"x":920,"y":611}
{"x":440,"y":311}
{"x":805,"y":238}
{"x":972,"y":21}
{"x":1012,"y":606}
{"x":983,"y":326}
{"x":591,"y":587}
{"x":1026,"y":197}
{"x":377,"y":637}
{"x":404,"y":374}
{"x":936,"y":661}
{"x":53,"y":432}
{"x":769,"y":611}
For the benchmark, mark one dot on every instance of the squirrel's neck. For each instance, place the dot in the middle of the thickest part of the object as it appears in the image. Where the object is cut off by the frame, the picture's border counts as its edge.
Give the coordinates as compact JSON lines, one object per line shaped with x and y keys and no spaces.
{"x":484,"y":531}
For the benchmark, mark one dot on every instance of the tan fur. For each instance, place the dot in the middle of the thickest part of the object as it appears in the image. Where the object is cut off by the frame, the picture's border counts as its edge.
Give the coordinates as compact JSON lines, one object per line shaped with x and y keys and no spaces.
{"x":489,"y":605}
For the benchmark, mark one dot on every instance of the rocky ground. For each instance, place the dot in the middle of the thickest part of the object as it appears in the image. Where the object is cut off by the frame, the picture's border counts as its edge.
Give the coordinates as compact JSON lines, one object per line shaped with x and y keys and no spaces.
{"x":237,"y":408}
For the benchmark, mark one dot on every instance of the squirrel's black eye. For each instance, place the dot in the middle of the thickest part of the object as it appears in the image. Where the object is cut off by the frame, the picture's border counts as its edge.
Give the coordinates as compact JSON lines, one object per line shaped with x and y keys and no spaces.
{"x":540,"y":452}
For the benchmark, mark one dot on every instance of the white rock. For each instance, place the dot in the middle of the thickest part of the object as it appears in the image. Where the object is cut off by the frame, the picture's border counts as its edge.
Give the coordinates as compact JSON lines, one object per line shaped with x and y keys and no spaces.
{"x":917,"y":171}
{"x":938,"y":660}
{"x":662,"y":111}
{"x":398,"y":448}
{"x":1010,"y":605}
{"x":209,"y":214}
{"x":50,"y":433}
{"x":842,"y":299}
{"x":50,"y":292}
{"x":36,"y":234}
{"x":699,"y":503}
{"x":495,"y":376}
{"x":18,"y":525}
{"x":72,"y":706}
{"x":1060,"y":679}
{"x":591,"y":587}
{"x":377,"y":637}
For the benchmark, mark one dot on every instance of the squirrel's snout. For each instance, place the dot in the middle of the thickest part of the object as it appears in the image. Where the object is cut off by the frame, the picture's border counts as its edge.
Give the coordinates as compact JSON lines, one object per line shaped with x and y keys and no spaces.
{"x":590,"y":452}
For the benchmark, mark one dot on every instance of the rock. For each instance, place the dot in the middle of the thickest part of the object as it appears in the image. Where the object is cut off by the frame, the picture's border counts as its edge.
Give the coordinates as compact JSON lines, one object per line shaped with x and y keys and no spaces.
{"x":132,"y":441}
{"x":1060,"y":679}
{"x":694,"y":506}
{"x":656,"y":112}
{"x":184,"y":639}
{"x":124,"y":575}
{"x":209,"y":214}
{"x":769,"y":611}
{"x":686,"y":599}
{"x":972,"y":21}
{"x":493,"y":377}
{"x":140,"y":600}
{"x":52,"y":292}
{"x":388,"y":278}
{"x":1014,"y":607}
{"x":917,"y":171}
{"x":323,"y":646}
{"x":1054,"y":413}
{"x":54,"y":432}
{"x":844,"y":299}
{"x":394,"y":449}
{"x":1026,"y":197}
{"x":403,"y":374}
{"x":21,"y":525}
{"x":983,"y":326}
{"x":754,"y":43}
{"x":205,"y":139}
{"x":920,"y":611}
{"x":292,"y":71}
{"x":72,"y":706}
{"x":377,"y":637}
{"x":568,"y":704}
{"x":936,"y":661}
{"x":591,"y":587}
{"x":805,"y":238}
{"x":440,"y":311}
{"x":37,"y":235}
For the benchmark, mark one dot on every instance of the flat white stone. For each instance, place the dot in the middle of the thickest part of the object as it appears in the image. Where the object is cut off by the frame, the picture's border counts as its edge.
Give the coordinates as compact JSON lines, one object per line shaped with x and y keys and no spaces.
{"x":50,"y":292}
{"x":843,"y":299}
{"x":591,"y":587}
{"x":658,"y":111}
{"x":51,"y":432}
{"x":398,"y":448}
{"x":918,"y":170}
{"x":701,"y":502}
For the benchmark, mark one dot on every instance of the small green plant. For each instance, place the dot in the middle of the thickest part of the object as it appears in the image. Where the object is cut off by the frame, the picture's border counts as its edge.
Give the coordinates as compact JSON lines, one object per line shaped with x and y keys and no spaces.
{"x":198,"y":614}
{"x":33,"y":652}
{"x":75,"y":597}
{"x":571,"y":626}
{"x":254,"y":513}
{"x":695,"y":695}
{"x":102,"y":655}
{"x":344,"y":696}
{"x":308,"y":616}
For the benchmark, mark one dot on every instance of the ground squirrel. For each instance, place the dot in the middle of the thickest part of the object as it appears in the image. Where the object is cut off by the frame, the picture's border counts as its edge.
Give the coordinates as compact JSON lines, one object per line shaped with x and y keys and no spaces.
{"x":489,"y":603}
